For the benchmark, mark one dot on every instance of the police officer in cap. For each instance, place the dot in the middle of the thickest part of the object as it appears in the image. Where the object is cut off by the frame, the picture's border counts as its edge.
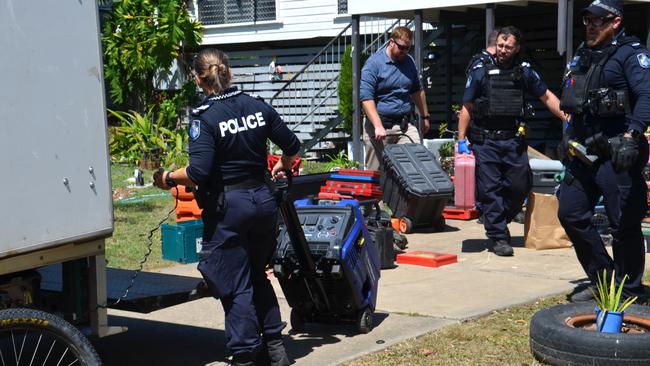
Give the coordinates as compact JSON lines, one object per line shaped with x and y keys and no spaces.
{"x":607,"y":92}
{"x":494,"y":100}
{"x":228,"y":135}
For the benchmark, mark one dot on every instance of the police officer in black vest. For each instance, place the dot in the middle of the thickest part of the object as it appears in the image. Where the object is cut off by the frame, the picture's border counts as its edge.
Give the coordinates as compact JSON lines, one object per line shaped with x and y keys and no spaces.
{"x":228,"y":135}
{"x":484,"y":58}
{"x":494,"y":100}
{"x":607,"y":92}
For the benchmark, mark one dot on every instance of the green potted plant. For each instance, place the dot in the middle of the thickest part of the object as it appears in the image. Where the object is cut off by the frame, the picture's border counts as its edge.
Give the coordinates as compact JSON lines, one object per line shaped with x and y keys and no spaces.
{"x":610,"y":311}
{"x":446,"y":151}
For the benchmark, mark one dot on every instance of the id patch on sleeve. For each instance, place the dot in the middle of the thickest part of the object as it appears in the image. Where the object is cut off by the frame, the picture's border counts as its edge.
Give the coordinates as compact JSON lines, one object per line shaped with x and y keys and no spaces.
{"x":644,"y":60}
{"x":195,"y":129}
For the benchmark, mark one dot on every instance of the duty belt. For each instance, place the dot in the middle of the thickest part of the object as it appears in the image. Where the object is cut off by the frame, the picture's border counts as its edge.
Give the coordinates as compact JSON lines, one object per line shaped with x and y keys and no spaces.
{"x":480,"y":134}
{"x":246,"y":184}
{"x":390,"y":121}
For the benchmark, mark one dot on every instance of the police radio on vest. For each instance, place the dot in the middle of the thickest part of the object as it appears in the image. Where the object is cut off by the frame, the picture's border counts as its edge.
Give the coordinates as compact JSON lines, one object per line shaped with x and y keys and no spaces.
{"x":236,"y":125}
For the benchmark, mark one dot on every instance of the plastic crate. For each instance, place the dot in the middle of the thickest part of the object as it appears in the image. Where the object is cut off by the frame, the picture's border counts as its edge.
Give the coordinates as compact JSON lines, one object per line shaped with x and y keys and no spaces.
{"x":544,"y":175}
{"x":415,"y":187}
{"x":182,"y":242}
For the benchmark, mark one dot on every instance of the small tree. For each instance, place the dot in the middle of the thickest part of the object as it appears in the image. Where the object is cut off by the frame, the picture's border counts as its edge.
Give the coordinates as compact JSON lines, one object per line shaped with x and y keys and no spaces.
{"x":346,"y":104}
{"x":141,"y":37}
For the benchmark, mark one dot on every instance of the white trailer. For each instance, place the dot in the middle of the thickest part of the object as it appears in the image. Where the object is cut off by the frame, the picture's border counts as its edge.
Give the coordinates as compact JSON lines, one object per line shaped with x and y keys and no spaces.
{"x":56,"y":206}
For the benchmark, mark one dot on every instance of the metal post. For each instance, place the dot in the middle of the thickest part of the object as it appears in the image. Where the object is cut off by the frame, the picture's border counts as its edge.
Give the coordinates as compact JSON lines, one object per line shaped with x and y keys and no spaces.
{"x":569,"y":30}
{"x":417,"y":54}
{"x":448,"y":72}
{"x":489,"y":22}
{"x":647,"y":20}
{"x":561,"y":26}
{"x":356,"y":76}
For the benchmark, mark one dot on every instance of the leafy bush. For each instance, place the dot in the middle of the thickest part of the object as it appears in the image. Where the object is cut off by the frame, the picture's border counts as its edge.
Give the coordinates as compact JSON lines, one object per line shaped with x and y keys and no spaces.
{"x":139,"y":138}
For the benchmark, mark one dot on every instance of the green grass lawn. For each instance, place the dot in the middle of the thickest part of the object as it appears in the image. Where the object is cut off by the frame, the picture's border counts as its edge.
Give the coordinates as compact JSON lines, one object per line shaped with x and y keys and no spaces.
{"x":135,"y":216}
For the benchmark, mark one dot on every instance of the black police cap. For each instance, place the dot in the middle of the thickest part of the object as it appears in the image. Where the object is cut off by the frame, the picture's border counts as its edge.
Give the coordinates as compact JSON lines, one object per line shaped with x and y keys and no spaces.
{"x":604,"y":8}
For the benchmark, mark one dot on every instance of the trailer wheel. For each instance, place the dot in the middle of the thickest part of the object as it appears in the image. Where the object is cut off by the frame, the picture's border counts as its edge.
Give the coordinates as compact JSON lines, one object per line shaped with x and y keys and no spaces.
{"x":297,"y":320}
{"x":364,"y":321}
{"x":35,"y":337}
{"x":405,"y":225}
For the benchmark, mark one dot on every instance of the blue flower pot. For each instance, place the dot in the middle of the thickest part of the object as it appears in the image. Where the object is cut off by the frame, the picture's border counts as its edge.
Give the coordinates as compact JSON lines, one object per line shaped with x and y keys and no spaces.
{"x":609,"y":322}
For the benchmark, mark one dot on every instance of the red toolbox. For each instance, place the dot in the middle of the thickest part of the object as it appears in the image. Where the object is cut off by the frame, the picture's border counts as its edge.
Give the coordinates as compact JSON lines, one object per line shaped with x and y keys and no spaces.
{"x":352,"y":188}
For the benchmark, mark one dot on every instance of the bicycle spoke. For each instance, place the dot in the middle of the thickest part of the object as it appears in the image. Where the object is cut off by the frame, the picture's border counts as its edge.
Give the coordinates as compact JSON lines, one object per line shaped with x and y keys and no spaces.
{"x":48,"y":352}
{"x":13,"y":342}
{"x":63,"y":355}
{"x":73,"y":362}
{"x":22,"y":346}
{"x":36,"y":350}
{"x":2,"y":358}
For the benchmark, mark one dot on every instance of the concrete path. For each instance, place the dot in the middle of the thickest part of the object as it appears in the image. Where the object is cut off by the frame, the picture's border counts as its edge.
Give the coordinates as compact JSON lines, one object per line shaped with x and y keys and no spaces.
{"x":412,"y":301}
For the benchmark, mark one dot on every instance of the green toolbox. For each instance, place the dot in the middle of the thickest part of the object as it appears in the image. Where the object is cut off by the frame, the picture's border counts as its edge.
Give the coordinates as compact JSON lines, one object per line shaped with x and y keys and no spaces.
{"x":181,"y":242}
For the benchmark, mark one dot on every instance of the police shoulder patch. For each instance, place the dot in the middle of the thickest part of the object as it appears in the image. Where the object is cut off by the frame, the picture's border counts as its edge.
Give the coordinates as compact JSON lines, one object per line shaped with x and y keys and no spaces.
{"x":644,"y":60}
{"x":195,"y":129}
{"x":478,"y":65}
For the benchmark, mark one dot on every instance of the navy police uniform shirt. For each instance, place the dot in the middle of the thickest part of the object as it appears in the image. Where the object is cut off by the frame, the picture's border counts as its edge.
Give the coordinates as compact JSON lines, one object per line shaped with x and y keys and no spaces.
{"x":629,"y":69}
{"x":480,"y":58}
{"x":476,"y":82}
{"x":228,"y":135}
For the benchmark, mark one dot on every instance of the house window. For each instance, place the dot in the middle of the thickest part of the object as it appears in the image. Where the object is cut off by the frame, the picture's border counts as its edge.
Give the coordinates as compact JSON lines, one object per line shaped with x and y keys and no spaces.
{"x":213,"y":12}
{"x":343,"y":6}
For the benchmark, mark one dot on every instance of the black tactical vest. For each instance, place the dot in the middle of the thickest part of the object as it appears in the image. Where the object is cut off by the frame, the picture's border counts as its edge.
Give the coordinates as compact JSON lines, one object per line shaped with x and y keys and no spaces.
{"x":585,"y":90}
{"x":503,"y":97}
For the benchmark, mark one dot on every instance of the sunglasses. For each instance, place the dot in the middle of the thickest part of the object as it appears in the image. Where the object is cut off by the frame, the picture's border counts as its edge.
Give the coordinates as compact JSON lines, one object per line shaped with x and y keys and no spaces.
{"x":596,"y":22}
{"x":401,"y":47}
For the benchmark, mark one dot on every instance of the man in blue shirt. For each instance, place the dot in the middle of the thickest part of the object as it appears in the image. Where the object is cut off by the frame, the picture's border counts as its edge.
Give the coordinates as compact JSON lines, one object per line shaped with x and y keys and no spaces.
{"x":494,"y":96}
{"x":606,"y":90}
{"x":389,"y":82}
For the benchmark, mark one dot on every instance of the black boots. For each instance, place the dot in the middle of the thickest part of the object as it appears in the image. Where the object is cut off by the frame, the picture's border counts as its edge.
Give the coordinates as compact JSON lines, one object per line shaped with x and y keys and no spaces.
{"x":272,"y":352}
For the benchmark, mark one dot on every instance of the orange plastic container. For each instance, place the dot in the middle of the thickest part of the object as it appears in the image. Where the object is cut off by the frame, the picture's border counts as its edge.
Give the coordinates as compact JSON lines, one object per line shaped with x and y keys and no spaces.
{"x":187,"y":208}
{"x":465,"y":181}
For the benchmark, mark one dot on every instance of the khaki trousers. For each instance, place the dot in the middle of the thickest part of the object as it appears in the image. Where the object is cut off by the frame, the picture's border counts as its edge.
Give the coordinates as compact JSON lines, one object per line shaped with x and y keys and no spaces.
{"x":375,"y":148}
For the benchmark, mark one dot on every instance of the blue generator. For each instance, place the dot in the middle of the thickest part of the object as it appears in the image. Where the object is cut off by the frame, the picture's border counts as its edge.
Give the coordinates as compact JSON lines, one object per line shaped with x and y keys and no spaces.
{"x":327,"y":264}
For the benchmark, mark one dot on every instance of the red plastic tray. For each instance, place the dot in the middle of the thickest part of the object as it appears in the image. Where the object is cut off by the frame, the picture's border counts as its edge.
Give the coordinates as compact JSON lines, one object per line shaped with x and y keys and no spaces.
{"x":427,"y":259}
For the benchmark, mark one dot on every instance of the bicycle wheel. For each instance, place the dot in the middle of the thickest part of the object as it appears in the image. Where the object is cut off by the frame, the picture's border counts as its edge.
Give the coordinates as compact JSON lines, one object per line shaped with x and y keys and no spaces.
{"x":34,"y":337}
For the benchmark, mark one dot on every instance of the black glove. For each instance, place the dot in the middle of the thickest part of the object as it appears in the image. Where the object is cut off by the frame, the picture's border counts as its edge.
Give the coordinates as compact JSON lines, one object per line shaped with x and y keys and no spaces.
{"x":625,"y":152}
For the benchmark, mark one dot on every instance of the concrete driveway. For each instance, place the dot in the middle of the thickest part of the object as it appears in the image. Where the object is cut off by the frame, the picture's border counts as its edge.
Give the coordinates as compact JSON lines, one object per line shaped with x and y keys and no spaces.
{"x":412,"y":300}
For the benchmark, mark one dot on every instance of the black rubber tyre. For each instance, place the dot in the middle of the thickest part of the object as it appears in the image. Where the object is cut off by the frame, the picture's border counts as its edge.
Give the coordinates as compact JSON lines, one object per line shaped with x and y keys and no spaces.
{"x":297,"y":320}
{"x":405,"y":225}
{"x":33,"y":337}
{"x":364,"y":321}
{"x":554,"y":342}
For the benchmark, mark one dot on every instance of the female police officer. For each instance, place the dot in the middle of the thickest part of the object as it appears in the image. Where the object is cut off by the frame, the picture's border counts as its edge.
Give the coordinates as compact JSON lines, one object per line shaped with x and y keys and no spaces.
{"x":228,"y":135}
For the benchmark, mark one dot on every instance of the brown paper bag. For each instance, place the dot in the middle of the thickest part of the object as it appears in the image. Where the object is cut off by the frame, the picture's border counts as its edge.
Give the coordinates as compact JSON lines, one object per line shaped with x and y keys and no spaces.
{"x":542,"y":229}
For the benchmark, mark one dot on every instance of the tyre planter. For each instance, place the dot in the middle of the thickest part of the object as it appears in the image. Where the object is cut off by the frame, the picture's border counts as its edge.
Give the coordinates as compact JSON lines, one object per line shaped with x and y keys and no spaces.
{"x":566,"y":335}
